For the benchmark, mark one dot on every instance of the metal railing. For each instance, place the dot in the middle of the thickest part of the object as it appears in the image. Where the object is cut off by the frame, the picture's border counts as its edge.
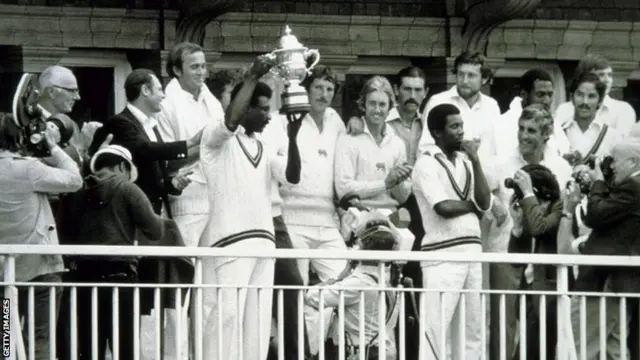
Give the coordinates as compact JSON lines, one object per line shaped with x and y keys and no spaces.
{"x":14,"y":340}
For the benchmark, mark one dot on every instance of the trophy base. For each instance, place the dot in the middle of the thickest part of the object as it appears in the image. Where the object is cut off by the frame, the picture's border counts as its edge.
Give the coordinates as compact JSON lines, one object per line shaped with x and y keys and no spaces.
{"x":294,"y":100}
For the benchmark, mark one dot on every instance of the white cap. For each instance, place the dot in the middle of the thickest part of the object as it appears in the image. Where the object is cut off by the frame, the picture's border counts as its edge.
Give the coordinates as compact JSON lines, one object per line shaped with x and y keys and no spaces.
{"x":119,"y":151}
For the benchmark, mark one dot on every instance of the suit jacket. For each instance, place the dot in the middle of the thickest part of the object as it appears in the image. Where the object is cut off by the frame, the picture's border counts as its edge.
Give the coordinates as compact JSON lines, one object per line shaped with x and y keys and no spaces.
{"x":541,"y":223}
{"x":149,"y":157}
{"x":613,"y":214}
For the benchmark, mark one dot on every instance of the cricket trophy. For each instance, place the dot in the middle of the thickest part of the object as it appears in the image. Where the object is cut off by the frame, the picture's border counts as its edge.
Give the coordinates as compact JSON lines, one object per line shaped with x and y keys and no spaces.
{"x":291,"y":65}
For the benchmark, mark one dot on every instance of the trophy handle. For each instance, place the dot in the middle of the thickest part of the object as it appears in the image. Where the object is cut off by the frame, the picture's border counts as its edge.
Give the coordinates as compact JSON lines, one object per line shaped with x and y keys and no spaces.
{"x":316,"y":55}
{"x":272,"y":57}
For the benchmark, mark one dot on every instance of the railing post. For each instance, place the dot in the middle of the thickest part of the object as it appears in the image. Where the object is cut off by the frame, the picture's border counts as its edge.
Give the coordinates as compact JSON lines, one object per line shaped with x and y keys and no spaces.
{"x":11,"y":293}
{"x":566,"y":349}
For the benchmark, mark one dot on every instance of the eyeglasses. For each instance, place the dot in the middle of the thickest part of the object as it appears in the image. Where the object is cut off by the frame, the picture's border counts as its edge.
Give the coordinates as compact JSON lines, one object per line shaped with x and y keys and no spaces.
{"x":70,"y":90}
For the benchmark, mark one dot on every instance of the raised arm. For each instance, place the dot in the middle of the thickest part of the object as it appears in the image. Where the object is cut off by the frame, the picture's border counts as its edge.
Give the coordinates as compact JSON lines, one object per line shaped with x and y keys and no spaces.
{"x":55,"y":174}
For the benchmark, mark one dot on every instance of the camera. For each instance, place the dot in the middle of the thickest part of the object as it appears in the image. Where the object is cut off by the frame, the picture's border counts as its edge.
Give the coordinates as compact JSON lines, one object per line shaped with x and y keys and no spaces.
{"x":584,"y":181}
{"x":28,"y":116}
{"x":509,"y":183}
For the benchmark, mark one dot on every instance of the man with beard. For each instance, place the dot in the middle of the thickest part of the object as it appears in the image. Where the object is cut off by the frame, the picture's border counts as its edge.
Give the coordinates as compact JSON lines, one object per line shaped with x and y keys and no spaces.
{"x":239,"y":174}
{"x":536,"y":87}
{"x":535,"y":127}
{"x":587,"y":132}
{"x":615,"y":113}
{"x":478,"y":111}
{"x":452,"y":193}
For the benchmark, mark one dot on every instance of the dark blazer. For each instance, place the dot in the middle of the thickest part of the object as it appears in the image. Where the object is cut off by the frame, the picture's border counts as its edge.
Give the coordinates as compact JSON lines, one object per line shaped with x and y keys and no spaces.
{"x":541,"y":223}
{"x":613,"y":214}
{"x":149,"y":157}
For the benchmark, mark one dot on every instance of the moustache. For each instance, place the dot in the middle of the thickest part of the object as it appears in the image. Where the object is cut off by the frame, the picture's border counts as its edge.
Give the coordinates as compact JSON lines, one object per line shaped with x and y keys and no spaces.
{"x":583,"y":107}
{"x":411,"y":101}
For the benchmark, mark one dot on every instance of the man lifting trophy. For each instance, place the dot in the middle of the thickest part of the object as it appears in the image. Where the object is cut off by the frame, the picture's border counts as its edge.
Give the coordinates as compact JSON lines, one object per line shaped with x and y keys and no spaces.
{"x":291,"y":65}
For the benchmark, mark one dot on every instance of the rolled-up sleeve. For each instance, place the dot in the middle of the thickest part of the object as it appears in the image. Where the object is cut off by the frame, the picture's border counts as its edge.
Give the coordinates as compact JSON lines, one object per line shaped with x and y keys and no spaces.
{"x":60,"y":175}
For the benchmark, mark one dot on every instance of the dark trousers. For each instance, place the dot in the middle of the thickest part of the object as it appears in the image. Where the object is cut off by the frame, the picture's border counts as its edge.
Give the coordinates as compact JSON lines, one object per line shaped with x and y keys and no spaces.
{"x":412,"y":270}
{"x":287,"y":273}
{"x":105,"y":312}
{"x":41,"y":316}
{"x":533,"y":323}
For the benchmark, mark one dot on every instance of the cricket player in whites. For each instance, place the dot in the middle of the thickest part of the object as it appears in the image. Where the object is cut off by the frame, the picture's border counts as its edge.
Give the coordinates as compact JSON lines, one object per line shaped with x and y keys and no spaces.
{"x":239,"y":172}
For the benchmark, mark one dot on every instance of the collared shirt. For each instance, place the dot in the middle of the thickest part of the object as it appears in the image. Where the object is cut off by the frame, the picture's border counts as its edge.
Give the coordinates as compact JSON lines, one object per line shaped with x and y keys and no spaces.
{"x":147,"y":123}
{"x":477,"y":119}
{"x":584,"y":141}
{"x":410,"y":135}
{"x":362,"y":165}
{"x":505,"y":167}
{"x":504,"y":134}
{"x":615,"y":113}
{"x":25,"y":214}
{"x":436,"y":179}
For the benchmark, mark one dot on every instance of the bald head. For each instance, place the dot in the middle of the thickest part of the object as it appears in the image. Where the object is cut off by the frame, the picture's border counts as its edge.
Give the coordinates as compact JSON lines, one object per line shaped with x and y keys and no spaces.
{"x":56,"y":76}
{"x":58,"y":89}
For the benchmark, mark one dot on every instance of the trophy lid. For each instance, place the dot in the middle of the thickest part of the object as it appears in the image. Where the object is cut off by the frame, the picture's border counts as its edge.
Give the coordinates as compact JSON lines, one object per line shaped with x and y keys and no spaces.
{"x":289,"y":41}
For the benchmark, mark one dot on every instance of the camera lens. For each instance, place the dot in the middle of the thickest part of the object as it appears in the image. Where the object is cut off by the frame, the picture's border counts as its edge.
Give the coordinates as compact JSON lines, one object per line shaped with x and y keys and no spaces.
{"x":509,"y":183}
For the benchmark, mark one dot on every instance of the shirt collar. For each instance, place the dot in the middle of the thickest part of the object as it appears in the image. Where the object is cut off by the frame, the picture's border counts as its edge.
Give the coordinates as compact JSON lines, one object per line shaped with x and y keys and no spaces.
{"x":394,"y":115}
{"x":386,"y":137}
{"x":455,"y":95}
{"x":174,"y":88}
{"x":144,"y":119}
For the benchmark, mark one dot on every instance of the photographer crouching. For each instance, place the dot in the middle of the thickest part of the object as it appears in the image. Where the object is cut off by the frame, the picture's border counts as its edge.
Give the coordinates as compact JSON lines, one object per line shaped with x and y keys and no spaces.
{"x":536,"y":209}
{"x":613,"y":216}
{"x":26,"y":218}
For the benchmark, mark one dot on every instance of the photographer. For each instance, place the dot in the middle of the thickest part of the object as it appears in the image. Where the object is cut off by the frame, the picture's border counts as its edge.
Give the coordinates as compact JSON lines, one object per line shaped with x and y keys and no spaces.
{"x":536,"y":210}
{"x":612,"y":214}
{"x":26,"y":218}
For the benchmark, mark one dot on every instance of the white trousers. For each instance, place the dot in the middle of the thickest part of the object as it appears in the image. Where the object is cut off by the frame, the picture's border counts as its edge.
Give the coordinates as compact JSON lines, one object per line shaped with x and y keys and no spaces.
{"x":238,"y":324}
{"x":455,"y":313}
{"x":318,"y":237}
{"x":191,"y":228}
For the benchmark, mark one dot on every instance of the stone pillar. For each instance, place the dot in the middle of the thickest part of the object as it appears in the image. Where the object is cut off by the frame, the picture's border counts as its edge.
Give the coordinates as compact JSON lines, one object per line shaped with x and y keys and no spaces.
{"x":621,"y":72}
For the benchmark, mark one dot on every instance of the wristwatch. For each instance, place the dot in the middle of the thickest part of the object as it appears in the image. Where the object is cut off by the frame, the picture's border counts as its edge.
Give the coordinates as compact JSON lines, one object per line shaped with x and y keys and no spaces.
{"x":567,"y":215}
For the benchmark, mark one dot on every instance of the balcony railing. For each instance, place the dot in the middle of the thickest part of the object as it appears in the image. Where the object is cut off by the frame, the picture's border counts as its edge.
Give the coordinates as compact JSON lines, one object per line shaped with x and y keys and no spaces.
{"x":387,"y":314}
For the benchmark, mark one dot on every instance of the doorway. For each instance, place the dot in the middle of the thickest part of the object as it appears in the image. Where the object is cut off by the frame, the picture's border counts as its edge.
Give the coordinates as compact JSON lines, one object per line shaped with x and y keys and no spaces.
{"x":97,"y":97}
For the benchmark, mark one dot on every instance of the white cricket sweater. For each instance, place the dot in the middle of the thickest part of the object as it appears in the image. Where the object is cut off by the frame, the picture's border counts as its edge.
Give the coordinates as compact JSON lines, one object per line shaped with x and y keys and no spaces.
{"x":274,"y":136}
{"x":181,"y":118}
{"x":238,"y":170}
{"x":311,"y":202}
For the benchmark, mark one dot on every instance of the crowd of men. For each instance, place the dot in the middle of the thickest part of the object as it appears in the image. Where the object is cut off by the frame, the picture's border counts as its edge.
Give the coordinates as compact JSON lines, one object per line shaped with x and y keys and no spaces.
{"x":205,"y":161}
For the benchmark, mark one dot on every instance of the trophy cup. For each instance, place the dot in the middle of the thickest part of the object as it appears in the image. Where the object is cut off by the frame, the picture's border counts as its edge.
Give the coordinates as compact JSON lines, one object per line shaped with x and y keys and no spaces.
{"x":291,"y":65}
